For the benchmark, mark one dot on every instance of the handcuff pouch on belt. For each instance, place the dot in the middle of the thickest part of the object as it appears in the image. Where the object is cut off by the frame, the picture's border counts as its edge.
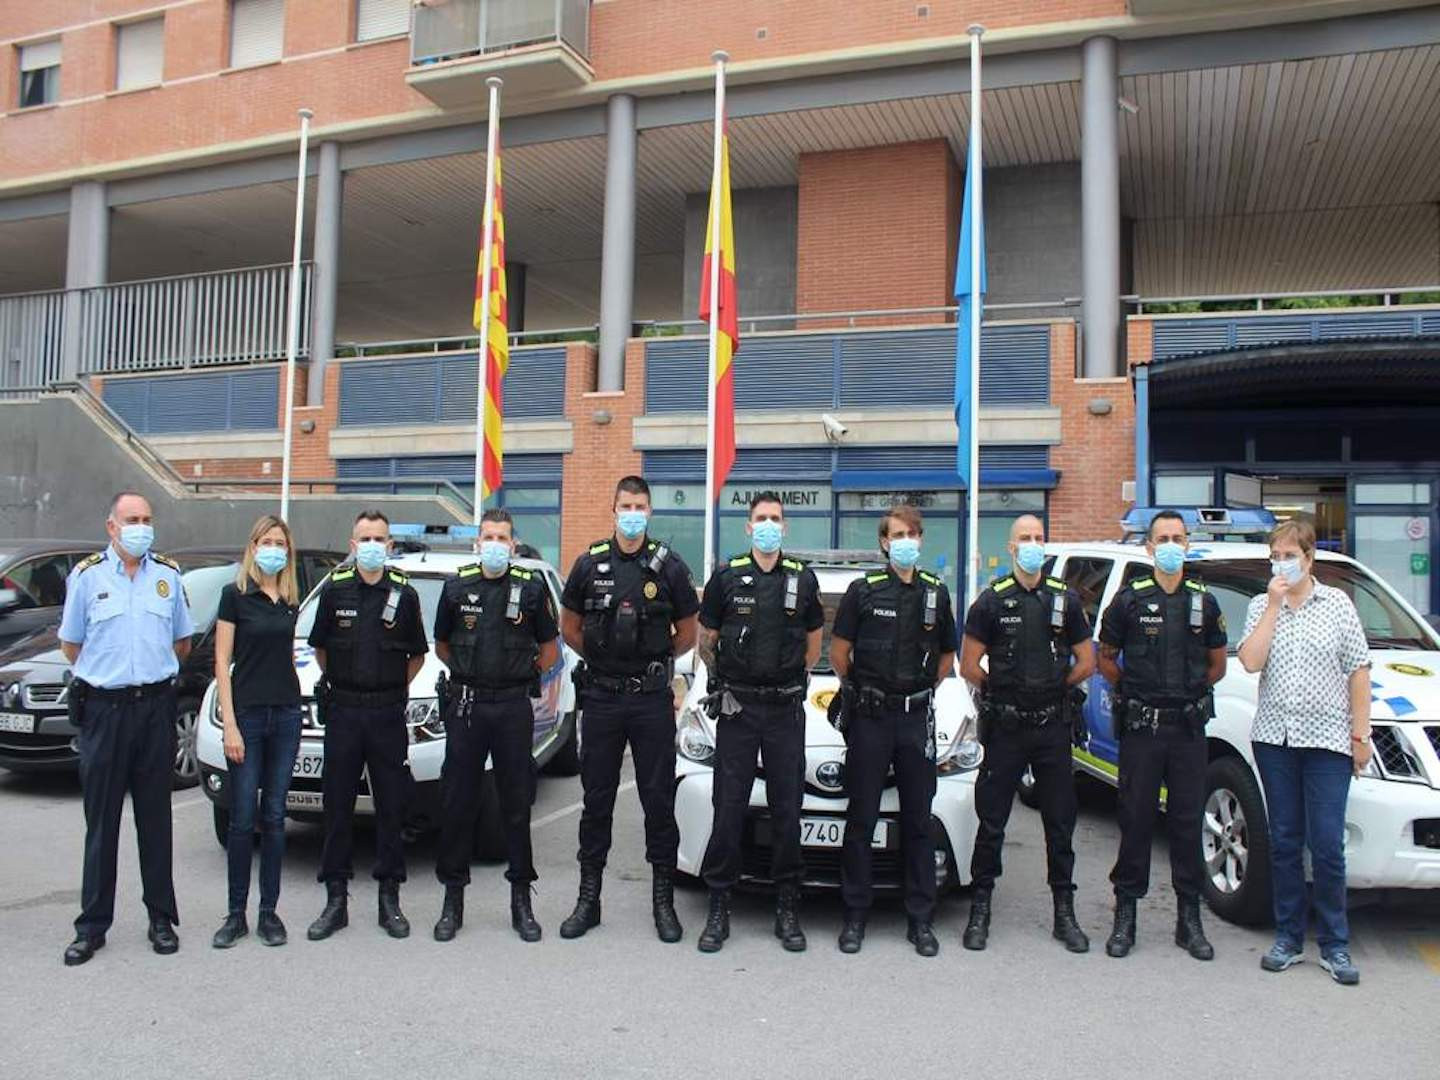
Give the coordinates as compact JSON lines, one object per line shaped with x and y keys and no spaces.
{"x":321,"y":694}
{"x":75,"y":701}
{"x":995,"y":716}
{"x":1133,"y":716}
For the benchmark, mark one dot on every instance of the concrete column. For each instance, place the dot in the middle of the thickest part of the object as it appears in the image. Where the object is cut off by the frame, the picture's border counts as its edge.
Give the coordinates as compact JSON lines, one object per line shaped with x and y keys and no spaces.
{"x":87,"y":264}
{"x":1100,"y":207}
{"x":328,"y":199}
{"x":617,"y":266}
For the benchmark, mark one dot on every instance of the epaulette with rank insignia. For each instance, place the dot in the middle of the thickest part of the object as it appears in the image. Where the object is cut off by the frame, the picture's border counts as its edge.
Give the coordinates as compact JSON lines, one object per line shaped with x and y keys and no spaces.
{"x":875,"y":579}
{"x":601,"y":548}
{"x":166,"y":560}
{"x":1055,"y":583}
{"x":740,"y":560}
{"x":398,"y":578}
{"x":469,"y":570}
{"x":344,"y":573}
{"x":1004,"y":583}
{"x":89,"y":561}
{"x":1196,"y":586}
{"x":792,"y":564}
{"x":1142,"y":583}
{"x":928,"y":578}
{"x":520,"y":572}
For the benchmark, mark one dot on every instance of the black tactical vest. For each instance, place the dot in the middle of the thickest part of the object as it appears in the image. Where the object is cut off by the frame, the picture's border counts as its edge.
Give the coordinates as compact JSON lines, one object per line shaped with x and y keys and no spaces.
{"x":762,"y":637}
{"x":897,"y":644}
{"x":1166,"y":659}
{"x":492,"y":640}
{"x":1030,"y":658}
{"x":342,"y":647}
{"x":627,"y":609}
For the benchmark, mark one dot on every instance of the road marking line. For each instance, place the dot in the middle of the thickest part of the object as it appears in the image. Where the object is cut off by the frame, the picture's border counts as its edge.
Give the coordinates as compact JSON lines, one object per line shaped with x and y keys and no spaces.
{"x":1431,"y":953}
{"x":566,"y":811}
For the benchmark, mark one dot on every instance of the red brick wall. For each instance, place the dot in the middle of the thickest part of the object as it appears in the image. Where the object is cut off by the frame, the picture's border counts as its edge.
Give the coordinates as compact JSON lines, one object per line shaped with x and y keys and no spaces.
{"x":603,"y":453}
{"x":877,"y":229}
{"x":310,"y":453}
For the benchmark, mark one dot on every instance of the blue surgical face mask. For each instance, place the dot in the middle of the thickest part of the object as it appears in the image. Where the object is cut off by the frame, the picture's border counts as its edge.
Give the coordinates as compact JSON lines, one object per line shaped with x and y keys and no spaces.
{"x":905,"y":552}
{"x":632,"y":523}
{"x":271,"y":559}
{"x":1289,"y":569}
{"x":1169,"y":557}
{"x":494,"y":555}
{"x":370,"y":554}
{"x":136,"y":539}
{"x":766,"y":536}
{"x":1030,"y":557}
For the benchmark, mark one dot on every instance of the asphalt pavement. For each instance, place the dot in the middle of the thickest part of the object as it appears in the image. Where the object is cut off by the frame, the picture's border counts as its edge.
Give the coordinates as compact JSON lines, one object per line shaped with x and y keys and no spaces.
{"x":618,"y":1003}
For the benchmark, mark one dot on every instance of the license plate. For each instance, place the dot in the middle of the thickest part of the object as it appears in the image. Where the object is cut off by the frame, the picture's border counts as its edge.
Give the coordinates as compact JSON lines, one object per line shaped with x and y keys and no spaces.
{"x":830,"y":832}
{"x":21,"y":722}
{"x":304,"y":800}
{"x":309,"y":765}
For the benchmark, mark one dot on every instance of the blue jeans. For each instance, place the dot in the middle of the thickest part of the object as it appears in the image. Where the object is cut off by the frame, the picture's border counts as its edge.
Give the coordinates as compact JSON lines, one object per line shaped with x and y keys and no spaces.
{"x":272,"y":739}
{"x":1305,"y":794}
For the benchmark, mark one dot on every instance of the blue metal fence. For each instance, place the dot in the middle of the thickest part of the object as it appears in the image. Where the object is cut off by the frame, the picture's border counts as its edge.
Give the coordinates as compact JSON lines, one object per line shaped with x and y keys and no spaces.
{"x":230,"y":401}
{"x":441,"y":389}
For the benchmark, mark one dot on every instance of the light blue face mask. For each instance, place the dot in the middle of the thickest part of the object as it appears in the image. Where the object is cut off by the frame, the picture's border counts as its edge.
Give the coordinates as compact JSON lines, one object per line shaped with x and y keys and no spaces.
{"x":1169,"y":557}
{"x":494,"y":555}
{"x":905,"y":552}
{"x":136,"y":540}
{"x":1289,"y":569}
{"x":632,"y":523}
{"x":370,"y":555}
{"x":766,"y":536}
{"x":1030,"y":557}
{"x":271,"y":559}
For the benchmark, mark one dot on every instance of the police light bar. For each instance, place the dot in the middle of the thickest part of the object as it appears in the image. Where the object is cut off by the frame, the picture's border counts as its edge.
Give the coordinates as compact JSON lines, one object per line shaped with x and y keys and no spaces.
{"x":833,"y":557}
{"x":412,"y":536}
{"x":1205,"y":522}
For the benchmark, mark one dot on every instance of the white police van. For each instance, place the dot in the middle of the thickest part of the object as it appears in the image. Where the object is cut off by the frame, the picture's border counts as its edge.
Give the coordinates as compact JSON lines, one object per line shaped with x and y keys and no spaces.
{"x":1392,"y":822}
{"x":555,"y":738}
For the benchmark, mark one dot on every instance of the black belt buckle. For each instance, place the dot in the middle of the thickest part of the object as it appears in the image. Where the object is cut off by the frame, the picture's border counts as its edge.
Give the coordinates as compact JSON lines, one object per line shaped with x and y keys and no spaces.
{"x":634,"y":684}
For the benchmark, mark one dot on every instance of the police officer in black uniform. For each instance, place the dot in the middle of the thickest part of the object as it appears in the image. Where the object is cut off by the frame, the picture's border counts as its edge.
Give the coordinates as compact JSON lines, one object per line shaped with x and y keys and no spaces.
{"x":892,"y":643}
{"x":1036,"y":635}
{"x":760,"y":629}
{"x":369,"y":641}
{"x":1169,"y":629}
{"x":629,"y":608}
{"x":495,"y":630}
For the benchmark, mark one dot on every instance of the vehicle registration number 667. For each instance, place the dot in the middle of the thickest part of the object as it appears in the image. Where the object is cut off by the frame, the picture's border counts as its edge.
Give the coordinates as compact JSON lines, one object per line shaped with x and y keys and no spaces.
{"x":312,"y":765}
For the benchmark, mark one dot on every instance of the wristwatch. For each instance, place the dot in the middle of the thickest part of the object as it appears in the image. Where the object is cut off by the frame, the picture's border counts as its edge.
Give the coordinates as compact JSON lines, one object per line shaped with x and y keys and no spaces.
{"x":1363,"y":740}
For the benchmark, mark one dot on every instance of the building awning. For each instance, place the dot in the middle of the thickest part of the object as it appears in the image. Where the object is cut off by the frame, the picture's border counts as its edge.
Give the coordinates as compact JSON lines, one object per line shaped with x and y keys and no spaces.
{"x":940,"y":479}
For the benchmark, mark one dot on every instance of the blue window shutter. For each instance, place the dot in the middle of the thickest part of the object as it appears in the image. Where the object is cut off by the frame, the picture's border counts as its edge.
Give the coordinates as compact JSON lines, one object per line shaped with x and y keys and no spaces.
{"x":1191,"y":336}
{"x":128,"y":398}
{"x":189,"y":403}
{"x":793,"y":372}
{"x":675,"y":373}
{"x":255,"y":399}
{"x":389,"y":392}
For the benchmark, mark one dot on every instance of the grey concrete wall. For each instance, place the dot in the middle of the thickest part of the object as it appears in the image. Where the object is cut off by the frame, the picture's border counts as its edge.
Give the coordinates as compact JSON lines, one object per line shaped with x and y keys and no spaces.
{"x":58,"y":470}
{"x":1032,"y":238}
{"x":765,"y":231}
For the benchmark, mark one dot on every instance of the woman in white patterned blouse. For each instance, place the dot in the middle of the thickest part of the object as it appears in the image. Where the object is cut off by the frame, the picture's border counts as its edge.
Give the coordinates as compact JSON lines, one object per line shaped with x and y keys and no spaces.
{"x":1311,"y":733}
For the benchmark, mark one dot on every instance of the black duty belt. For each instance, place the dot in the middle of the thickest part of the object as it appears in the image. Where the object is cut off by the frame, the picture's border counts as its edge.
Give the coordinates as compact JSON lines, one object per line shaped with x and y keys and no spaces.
{"x":630,"y":684}
{"x":789,"y":692}
{"x":477,"y":691}
{"x":874,"y":698}
{"x":1022,"y":716}
{"x":354,"y":698}
{"x":1142,"y":717}
{"x":131,"y":693}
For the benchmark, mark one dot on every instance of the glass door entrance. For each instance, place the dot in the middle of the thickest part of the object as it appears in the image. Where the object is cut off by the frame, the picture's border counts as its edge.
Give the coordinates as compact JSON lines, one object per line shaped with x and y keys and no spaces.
{"x":1394,"y":536}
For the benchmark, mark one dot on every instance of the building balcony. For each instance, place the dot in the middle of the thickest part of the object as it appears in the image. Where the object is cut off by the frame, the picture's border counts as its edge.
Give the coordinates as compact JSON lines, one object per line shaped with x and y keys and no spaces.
{"x":539,"y":47}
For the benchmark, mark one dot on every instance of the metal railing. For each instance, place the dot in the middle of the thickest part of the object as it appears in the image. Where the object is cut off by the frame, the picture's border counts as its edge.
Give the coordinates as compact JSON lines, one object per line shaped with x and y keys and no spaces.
{"x":31,"y":330}
{"x":439,"y":486}
{"x":1383,"y":297}
{"x":456,"y":28}
{"x":872,"y":317}
{"x":463,"y":342}
{"x":192,"y":320}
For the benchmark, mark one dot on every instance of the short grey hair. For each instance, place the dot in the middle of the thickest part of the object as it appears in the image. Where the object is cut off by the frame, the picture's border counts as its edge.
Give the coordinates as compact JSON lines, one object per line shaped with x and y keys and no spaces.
{"x":115,"y":501}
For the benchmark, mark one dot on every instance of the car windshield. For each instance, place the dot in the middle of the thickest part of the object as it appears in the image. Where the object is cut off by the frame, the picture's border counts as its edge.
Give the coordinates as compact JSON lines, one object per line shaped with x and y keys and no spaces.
{"x":830,"y":601}
{"x":203,"y":586}
{"x":427,"y":588}
{"x":1387,"y":625}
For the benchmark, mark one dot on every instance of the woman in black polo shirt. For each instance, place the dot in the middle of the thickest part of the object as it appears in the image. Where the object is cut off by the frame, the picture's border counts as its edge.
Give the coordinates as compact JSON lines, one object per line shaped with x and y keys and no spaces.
{"x":260,"y":711}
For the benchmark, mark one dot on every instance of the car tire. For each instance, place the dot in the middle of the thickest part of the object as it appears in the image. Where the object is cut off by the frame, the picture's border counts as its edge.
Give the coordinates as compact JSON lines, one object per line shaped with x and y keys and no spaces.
{"x":566,"y":759}
{"x":187,"y":762}
{"x":1026,"y":789}
{"x":1235,"y":844}
{"x":489,"y":829}
{"x":222,"y":825}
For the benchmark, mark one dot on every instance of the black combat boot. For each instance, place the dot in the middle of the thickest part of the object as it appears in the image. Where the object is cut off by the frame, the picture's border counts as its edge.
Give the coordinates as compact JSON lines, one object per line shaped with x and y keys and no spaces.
{"x":392,"y":919}
{"x":852,"y":934}
{"x":587,"y":905}
{"x":922,"y":935}
{"x":234,"y":928}
{"x":717,"y":922}
{"x":1066,"y":928}
{"x":522,"y":916}
{"x":977,"y":930}
{"x":1189,"y":934}
{"x":662,"y":904}
{"x":787,"y":918}
{"x":452,"y":913}
{"x":269,"y":929}
{"x":1122,"y":938}
{"x":336,"y":915}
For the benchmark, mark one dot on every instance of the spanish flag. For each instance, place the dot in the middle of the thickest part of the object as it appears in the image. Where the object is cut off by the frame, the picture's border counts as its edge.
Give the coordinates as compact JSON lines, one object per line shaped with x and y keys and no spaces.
{"x":726,"y":320}
{"x":498,"y":336}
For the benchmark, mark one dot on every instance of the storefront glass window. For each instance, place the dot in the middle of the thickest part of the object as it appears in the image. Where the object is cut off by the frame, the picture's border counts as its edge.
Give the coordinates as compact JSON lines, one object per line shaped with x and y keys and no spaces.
{"x":1185,"y":490}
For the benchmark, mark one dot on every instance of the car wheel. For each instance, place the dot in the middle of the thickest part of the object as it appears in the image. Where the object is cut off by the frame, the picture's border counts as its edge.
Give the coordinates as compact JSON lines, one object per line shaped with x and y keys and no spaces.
{"x":1235,"y":844}
{"x":1026,"y":789}
{"x":187,"y":763}
{"x":222,"y":825}
{"x":566,"y":760}
{"x":489,"y":829}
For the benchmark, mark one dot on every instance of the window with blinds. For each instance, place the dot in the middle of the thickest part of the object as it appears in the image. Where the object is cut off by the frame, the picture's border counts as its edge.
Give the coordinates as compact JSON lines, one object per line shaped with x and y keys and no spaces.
{"x":257,"y":31}
{"x":381,"y":18}
{"x":39,"y":73}
{"x":139,"y":54}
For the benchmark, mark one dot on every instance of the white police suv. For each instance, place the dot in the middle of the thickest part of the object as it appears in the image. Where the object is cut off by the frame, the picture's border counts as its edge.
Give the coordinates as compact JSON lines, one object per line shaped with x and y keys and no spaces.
{"x":1392,"y":822}
{"x":555,"y":740}
{"x":822,"y":821}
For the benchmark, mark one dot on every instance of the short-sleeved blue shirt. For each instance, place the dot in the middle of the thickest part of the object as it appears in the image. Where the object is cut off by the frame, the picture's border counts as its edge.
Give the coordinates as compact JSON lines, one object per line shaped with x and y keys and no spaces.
{"x":126,"y":627}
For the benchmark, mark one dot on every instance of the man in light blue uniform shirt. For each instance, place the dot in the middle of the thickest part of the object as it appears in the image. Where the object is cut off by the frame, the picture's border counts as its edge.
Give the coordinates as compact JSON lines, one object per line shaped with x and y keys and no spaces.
{"x":125,"y":630}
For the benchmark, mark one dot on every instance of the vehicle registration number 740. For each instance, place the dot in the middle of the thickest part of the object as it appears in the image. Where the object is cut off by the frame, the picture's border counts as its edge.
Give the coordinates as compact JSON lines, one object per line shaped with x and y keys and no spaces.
{"x":830,"y":832}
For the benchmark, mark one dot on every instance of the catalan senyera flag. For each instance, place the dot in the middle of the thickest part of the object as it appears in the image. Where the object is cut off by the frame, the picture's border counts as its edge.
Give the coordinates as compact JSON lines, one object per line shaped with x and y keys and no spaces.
{"x":727,"y":319}
{"x":498,"y":338}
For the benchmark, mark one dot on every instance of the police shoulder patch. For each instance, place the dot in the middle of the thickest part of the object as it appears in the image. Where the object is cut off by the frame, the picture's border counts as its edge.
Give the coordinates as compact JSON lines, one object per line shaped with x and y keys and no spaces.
{"x":89,"y":561}
{"x":601,"y":548}
{"x":1003,"y":584}
{"x":343,"y":574}
{"x":468,"y":570}
{"x":165,"y":560}
{"x":740,"y":560}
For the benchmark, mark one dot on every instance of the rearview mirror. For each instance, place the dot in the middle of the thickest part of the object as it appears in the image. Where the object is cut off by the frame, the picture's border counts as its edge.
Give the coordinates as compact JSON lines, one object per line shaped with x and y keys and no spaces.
{"x":9,"y":600}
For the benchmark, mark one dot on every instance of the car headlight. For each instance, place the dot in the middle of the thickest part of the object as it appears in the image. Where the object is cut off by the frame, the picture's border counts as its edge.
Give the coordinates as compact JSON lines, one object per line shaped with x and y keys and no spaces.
{"x":422,"y":718}
{"x":693,"y":739}
{"x":964,"y":754}
{"x":215,"y":710}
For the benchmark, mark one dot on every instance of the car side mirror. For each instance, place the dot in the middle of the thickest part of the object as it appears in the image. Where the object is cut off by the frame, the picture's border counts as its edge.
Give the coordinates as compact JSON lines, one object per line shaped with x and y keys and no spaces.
{"x":9,"y":600}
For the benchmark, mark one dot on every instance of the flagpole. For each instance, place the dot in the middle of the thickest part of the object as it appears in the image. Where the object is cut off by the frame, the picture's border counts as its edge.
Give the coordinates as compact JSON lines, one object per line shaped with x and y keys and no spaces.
{"x":487,"y":254}
{"x":711,"y":495}
{"x":292,"y":329}
{"x":975,"y":176}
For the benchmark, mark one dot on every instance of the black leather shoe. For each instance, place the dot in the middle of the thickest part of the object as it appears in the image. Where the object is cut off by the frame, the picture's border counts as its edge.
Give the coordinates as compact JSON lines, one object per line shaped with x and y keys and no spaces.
{"x":269,"y":929}
{"x":977,"y":929}
{"x":82,"y":949}
{"x":522,"y":915}
{"x":922,"y":936}
{"x":163,"y":938}
{"x":336,"y":914}
{"x":586,"y":915}
{"x":392,"y":920}
{"x":852,"y":934}
{"x":231,"y":930}
{"x":452,"y":913}
{"x":717,"y":922}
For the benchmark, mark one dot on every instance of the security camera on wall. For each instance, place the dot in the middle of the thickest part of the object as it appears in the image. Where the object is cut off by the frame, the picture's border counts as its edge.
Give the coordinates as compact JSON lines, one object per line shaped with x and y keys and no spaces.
{"x":834,"y":429}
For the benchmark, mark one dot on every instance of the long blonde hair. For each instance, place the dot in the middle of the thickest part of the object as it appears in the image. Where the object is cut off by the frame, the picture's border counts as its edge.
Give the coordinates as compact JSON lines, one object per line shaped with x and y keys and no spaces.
{"x":249,"y":572}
